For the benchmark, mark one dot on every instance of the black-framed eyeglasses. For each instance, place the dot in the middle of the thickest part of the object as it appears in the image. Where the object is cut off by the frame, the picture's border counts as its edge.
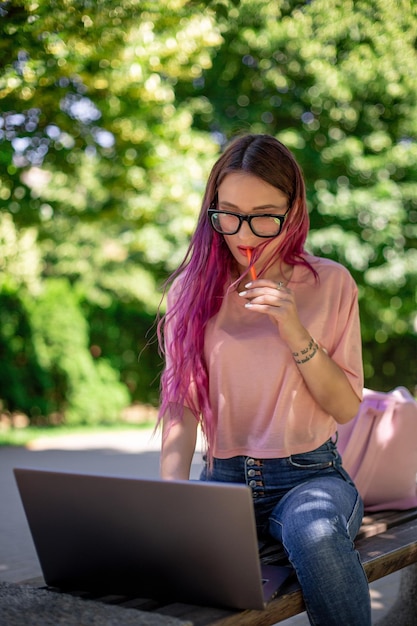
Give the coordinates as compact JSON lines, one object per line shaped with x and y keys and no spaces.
{"x":229,"y":223}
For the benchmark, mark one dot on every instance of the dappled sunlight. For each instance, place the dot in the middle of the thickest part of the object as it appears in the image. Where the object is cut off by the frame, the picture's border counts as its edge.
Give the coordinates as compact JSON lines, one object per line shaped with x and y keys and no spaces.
{"x":384,"y":593}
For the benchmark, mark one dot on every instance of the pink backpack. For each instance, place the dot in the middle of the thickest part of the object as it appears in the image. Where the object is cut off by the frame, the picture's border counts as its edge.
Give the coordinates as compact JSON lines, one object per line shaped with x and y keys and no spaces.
{"x":379,"y":449}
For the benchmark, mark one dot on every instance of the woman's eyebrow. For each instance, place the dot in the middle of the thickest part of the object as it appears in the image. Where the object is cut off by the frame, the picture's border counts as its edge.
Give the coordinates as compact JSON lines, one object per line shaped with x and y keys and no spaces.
{"x":262,"y":207}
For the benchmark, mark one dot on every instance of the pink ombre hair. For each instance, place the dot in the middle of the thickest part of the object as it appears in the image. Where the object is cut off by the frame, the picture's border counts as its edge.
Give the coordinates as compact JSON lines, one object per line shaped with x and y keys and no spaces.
{"x":207,"y":271}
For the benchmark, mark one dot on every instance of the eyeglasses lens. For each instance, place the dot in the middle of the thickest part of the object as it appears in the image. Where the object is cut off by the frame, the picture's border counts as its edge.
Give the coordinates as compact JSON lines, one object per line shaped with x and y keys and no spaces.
{"x":262,"y":226}
{"x":266,"y":226}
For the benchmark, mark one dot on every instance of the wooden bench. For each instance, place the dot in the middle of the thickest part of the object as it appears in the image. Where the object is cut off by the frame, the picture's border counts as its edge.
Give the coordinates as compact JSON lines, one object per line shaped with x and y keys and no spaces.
{"x":387,"y":542}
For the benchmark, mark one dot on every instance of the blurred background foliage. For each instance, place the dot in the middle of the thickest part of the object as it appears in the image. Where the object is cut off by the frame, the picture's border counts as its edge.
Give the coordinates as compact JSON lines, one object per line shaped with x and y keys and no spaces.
{"x":111,"y":116}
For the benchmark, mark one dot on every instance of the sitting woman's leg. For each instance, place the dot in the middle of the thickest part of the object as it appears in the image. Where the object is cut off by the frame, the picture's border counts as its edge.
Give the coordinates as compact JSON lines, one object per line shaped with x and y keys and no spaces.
{"x":317,"y":522}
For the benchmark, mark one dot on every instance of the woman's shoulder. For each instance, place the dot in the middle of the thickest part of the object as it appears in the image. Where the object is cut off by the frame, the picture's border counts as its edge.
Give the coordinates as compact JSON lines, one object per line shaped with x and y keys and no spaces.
{"x":328,"y":269}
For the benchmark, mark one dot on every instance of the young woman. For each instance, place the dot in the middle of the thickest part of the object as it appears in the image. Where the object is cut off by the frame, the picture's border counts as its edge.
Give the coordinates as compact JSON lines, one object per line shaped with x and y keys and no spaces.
{"x":263,"y":350}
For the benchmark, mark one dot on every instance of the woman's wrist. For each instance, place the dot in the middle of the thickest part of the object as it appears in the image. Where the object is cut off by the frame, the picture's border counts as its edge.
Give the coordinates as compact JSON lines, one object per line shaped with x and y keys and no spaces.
{"x":307,"y":353}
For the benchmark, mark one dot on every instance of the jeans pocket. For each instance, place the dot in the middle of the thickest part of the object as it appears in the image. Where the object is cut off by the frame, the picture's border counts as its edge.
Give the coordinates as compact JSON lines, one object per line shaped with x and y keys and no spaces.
{"x":314,"y":460}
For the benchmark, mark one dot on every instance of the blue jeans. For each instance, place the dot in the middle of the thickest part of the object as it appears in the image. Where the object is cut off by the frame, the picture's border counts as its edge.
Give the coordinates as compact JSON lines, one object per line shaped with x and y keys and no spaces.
{"x":310,"y":505}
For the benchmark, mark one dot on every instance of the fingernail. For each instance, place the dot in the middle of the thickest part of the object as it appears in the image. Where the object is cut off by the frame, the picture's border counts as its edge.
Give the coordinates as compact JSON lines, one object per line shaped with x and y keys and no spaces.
{"x":243,"y":293}
{"x":248,"y":285}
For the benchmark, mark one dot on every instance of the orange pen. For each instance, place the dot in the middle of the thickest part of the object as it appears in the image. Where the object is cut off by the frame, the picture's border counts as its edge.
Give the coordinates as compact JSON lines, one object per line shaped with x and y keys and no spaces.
{"x":252,"y":269}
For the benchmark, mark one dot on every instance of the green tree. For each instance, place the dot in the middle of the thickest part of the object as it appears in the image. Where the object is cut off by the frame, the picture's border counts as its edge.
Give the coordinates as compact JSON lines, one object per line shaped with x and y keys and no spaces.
{"x":99,"y":161}
{"x":111,"y":116}
{"x":337,"y":82}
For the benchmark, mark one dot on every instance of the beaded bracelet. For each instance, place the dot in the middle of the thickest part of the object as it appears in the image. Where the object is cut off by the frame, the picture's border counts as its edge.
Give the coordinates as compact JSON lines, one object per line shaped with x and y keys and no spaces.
{"x":305,"y":355}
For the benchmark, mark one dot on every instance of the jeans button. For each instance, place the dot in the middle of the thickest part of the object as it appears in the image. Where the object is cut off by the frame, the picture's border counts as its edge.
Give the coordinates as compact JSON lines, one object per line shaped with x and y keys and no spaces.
{"x":251,"y":472}
{"x":252,"y":483}
{"x":251,"y":461}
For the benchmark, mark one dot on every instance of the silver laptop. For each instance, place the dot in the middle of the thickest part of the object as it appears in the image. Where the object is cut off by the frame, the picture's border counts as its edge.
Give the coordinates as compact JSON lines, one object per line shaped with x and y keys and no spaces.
{"x":186,"y":541}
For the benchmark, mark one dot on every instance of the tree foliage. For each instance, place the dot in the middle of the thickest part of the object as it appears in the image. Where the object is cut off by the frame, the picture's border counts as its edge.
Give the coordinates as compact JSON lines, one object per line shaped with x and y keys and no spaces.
{"x":103,"y":170}
{"x":337,"y":82}
{"x":112,"y":116}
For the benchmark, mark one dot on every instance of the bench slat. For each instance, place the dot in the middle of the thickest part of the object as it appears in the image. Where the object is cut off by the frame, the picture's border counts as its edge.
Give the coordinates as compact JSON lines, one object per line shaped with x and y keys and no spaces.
{"x":375,"y":523}
{"x":388,"y":552}
{"x":372,"y":524}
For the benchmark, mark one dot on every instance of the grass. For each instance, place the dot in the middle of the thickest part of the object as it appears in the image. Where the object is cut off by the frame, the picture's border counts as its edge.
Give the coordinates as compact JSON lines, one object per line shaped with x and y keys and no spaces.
{"x":23,"y":436}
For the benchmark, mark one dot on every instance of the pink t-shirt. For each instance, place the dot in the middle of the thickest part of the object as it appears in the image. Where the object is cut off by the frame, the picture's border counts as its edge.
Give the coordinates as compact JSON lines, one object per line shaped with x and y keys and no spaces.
{"x":262,"y":405}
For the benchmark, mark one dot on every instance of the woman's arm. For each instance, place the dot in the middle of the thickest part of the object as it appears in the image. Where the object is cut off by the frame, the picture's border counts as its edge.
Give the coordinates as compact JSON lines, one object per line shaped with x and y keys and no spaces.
{"x":178,"y":446}
{"x":326,"y":381}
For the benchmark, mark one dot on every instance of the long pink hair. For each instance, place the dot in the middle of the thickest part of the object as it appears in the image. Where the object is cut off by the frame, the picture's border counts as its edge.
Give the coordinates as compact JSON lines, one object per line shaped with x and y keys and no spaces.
{"x":207,"y":271}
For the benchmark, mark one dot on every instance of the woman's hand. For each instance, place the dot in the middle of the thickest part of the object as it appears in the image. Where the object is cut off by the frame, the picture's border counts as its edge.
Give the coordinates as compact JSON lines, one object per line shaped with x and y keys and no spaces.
{"x":273,"y":299}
